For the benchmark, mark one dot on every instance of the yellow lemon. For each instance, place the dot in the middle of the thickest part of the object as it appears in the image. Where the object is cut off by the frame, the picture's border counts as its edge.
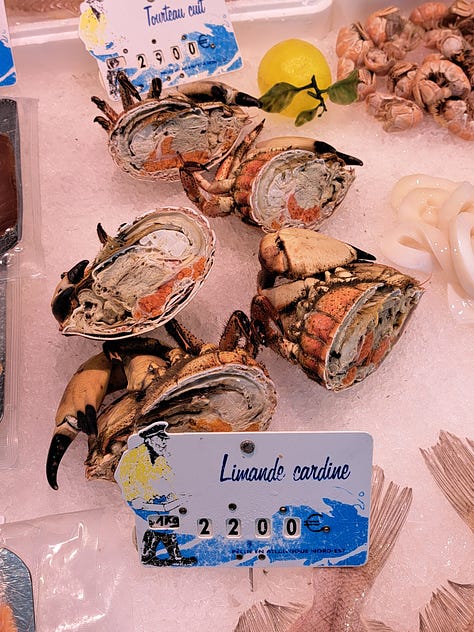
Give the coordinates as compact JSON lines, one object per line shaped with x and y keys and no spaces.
{"x":294,"y":61}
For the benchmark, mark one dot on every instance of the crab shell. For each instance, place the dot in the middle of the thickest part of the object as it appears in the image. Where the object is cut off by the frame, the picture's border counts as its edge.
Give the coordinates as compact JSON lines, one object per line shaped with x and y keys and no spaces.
{"x":151,"y":138}
{"x":337,"y":320}
{"x":140,"y":279}
{"x":217,"y":391}
{"x":287,"y":181}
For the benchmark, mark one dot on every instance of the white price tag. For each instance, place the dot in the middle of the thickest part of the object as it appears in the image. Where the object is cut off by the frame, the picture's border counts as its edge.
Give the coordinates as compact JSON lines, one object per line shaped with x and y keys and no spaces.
{"x":249,"y":499}
{"x":179,"y":42}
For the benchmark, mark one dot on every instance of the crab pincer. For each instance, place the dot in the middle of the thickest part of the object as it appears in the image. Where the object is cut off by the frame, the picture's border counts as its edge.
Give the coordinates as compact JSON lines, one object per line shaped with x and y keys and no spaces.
{"x":77,"y":410}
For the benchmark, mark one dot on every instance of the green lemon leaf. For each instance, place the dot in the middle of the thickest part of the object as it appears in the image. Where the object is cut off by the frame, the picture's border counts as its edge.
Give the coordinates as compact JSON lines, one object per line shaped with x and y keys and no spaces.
{"x":305,"y":117}
{"x":344,"y":91}
{"x":278,"y":97}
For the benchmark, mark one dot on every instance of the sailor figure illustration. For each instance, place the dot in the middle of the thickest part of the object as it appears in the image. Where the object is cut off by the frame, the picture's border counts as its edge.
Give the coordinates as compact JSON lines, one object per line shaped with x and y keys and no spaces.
{"x":146,"y":480}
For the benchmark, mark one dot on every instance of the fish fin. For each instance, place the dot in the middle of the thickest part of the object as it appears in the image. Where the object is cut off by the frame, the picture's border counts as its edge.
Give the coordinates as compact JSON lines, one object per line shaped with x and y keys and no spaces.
{"x":451,"y":462}
{"x":453,"y":611}
{"x":376,"y":626}
{"x":269,"y":617}
{"x":389,"y":509}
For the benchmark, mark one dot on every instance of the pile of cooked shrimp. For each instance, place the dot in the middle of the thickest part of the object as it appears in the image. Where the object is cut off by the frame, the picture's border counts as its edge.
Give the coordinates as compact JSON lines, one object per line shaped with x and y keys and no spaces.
{"x":427,"y":61}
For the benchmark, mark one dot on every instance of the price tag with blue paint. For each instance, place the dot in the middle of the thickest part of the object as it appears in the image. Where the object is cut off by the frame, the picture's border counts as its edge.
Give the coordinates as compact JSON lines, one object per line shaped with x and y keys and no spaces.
{"x":184,"y":41}
{"x":7,"y":66}
{"x":248,"y":499}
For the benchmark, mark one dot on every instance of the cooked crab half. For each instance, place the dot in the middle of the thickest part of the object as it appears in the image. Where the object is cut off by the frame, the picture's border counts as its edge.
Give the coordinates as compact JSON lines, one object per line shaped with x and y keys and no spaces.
{"x":328,"y":306}
{"x":287,"y":181}
{"x":141,"y":277}
{"x":199,"y":122}
{"x":195,"y":387}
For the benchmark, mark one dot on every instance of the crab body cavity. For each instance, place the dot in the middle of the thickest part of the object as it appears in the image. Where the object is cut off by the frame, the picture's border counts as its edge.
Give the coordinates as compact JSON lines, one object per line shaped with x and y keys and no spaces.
{"x":141,"y":277}
{"x":151,"y":137}
{"x":289,"y":181}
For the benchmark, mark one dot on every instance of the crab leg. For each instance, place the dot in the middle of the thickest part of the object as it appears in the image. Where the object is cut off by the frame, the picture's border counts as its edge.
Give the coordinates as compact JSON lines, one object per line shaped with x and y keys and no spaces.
{"x":186,"y":340}
{"x":77,"y":409}
{"x":266,"y":323}
{"x":194,"y":182}
{"x":104,"y":107}
{"x":103,"y":122}
{"x":232,"y":162}
{"x":155,"y":88}
{"x":127,"y":90}
{"x":213,"y":206}
{"x":237,"y":329}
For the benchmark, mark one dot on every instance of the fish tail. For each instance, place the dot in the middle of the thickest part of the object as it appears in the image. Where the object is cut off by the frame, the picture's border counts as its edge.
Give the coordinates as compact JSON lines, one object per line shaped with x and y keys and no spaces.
{"x":450,"y":610}
{"x":268,"y":617}
{"x":7,"y":619}
{"x":388,"y":513}
{"x":451,"y":462}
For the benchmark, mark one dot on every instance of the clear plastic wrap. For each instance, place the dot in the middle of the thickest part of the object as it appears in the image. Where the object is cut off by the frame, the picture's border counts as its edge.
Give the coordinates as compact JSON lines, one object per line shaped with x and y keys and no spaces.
{"x":78,"y":571}
{"x":10,"y":345}
{"x":21,"y":253}
{"x":25,"y":258}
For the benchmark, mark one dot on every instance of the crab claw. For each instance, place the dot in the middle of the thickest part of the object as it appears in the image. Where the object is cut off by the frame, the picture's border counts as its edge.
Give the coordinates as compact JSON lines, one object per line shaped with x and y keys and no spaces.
{"x":299,"y":253}
{"x":77,"y":409}
{"x":230,"y":96}
{"x":203,"y":91}
{"x":62,"y":301}
{"x":321,"y":147}
{"x":59,"y":445}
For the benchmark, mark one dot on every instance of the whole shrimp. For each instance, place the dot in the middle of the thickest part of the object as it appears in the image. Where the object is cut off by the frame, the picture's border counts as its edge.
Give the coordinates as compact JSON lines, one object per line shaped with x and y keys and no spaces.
{"x":438,"y":79}
{"x":429,"y":14}
{"x":396,"y":113}
{"x":457,"y":115}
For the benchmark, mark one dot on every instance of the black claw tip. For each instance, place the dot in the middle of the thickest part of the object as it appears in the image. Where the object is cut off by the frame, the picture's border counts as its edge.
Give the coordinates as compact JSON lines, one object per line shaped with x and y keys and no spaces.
{"x":61,"y":304}
{"x":363,"y":256}
{"x":244,"y":99}
{"x":76,"y":273}
{"x":87,"y":421}
{"x":59,"y":445}
{"x":321,"y":147}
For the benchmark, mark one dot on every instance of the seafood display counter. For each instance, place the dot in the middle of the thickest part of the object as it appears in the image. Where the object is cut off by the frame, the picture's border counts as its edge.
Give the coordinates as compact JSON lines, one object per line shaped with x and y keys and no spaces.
{"x":78,"y":540}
